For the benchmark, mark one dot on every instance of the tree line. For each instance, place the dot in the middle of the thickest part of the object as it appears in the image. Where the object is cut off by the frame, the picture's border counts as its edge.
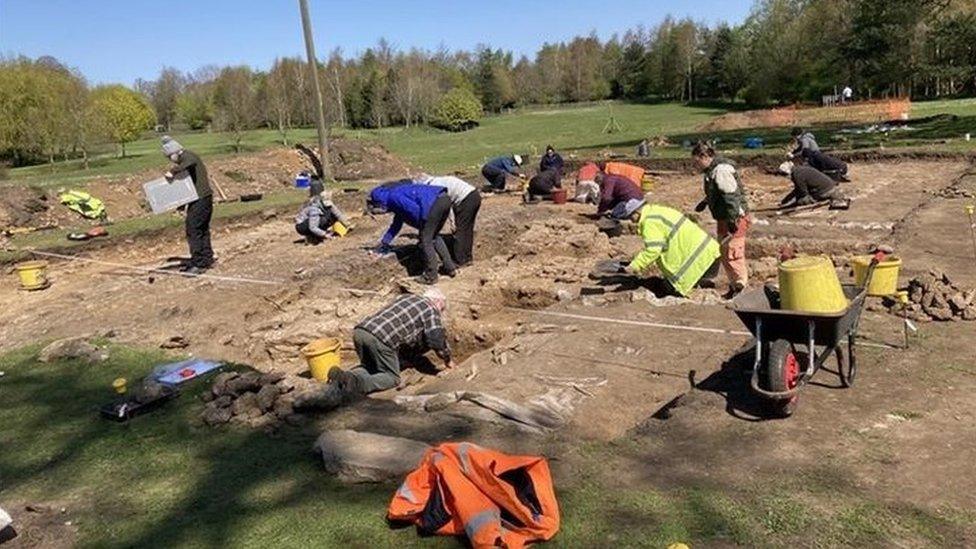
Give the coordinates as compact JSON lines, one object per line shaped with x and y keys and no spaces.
{"x":785,"y":51}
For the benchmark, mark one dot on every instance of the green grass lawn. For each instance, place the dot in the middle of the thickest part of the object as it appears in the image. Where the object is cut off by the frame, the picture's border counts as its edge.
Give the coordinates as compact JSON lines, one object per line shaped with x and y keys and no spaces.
{"x":145,"y":154}
{"x":166,"y":480}
{"x":528,"y":131}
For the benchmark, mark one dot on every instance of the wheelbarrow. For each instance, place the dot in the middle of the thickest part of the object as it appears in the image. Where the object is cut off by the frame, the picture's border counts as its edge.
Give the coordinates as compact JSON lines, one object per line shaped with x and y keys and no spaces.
{"x":792,"y":346}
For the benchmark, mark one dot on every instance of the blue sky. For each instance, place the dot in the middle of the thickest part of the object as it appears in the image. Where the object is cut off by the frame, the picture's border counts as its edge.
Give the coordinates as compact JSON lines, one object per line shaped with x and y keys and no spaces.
{"x":121,"y":40}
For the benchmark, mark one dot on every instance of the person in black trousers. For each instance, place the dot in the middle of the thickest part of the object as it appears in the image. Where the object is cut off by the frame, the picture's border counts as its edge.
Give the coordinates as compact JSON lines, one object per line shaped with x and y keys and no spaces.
{"x":466,"y":202}
{"x":199,"y":212}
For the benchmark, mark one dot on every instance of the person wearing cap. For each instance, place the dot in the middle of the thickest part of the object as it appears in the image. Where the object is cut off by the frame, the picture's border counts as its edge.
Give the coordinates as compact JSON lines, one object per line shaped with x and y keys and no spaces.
{"x":681,"y":250}
{"x":803,"y":141}
{"x":809,"y":185}
{"x":317,"y":217}
{"x":725,"y":198}
{"x":409,"y":326}
{"x":498,"y":169}
{"x":423,"y":207}
{"x":551,"y":161}
{"x":199,"y":212}
{"x":614,"y":190}
{"x":587,"y":189}
{"x":466,"y":203}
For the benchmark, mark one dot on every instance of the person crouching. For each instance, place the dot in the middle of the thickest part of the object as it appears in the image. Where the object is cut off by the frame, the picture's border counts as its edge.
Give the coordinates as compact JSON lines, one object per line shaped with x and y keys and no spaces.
{"x":681,"y":250}
{"x":317,"y":217}
{"x":412,"y":323}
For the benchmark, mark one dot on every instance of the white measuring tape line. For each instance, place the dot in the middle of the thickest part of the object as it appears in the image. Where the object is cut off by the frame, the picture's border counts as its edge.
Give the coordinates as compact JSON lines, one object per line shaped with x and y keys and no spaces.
{"x":153,"y":270}
{"x":556,"y":314}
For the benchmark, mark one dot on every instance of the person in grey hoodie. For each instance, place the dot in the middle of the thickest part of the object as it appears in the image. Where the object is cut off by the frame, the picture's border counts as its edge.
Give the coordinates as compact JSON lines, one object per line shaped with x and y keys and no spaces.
{"x":318,"y":215}
{"x":803,"y":142}
{"x":465,"y":202}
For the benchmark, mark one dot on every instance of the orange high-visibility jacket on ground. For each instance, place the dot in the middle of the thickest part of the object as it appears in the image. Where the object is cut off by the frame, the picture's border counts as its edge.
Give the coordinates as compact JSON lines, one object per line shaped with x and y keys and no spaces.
{"x":633,"y":173}
{"x":494,"y":499}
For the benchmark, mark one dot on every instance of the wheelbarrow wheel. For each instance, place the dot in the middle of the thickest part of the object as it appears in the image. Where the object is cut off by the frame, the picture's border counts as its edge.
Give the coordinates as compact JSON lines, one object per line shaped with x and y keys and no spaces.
{"x":782,"y":373}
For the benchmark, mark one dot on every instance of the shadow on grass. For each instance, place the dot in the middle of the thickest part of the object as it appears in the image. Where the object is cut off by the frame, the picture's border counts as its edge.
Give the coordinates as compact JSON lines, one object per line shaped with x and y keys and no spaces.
{"x":163,"y":479}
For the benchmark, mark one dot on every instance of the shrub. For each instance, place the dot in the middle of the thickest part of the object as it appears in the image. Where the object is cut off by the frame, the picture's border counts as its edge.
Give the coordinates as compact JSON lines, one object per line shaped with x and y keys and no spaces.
{"x":457,"y":111}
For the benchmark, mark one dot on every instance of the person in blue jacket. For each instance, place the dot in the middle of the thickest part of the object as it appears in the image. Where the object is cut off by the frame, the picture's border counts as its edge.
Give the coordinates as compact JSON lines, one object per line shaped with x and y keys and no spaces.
{"x":423,"y":207}
{"x":497,"y":169}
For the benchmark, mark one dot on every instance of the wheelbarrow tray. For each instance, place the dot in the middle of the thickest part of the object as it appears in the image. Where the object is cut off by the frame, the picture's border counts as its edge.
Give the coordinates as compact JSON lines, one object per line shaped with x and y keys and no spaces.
{"x":829,"y":328}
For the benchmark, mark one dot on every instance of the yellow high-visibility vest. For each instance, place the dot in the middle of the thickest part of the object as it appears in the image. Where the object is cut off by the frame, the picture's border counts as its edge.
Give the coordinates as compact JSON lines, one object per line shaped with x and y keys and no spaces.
{"x":682,"y":250}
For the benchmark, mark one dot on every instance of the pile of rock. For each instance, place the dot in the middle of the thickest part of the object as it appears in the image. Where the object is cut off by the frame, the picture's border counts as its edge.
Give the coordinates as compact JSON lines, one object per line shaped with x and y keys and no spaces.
{"x":260,"y":401}
{"x":934,"y":297}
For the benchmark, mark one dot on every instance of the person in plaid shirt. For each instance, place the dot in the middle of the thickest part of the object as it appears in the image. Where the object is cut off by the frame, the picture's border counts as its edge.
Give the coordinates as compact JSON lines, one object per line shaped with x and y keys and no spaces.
{"x":412,"y":322}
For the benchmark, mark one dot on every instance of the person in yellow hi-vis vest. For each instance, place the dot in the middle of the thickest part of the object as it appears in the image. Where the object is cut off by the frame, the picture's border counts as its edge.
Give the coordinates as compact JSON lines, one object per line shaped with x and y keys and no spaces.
{"x":683,"y":252}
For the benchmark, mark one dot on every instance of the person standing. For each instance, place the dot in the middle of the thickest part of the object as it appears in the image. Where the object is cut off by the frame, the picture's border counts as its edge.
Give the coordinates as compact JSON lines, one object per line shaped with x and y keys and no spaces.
{"x":847,"y":95}
{"x":423,"y":207}
{"x":199,"y":212}
{"x":726,"y":200}
{"x":551,"y":161}
{"x":498,"y":169}
{"x":466,"y":202}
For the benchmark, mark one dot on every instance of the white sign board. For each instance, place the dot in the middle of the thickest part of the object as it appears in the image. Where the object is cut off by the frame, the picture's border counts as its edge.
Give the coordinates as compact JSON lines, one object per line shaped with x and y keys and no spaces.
{"x":164,"y":196}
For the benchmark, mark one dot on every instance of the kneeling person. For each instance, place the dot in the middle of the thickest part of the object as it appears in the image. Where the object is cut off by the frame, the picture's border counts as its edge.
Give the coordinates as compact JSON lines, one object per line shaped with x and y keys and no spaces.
{"x":683,"y":252}
{"x":809,"y":185}
{"x":411,"y":323}
{"x":542,"y":184}
{"x":318,"y":215}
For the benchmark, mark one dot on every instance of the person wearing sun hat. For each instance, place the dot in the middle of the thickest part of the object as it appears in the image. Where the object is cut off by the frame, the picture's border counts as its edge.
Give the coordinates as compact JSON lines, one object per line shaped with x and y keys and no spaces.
{"x":498,"y":169}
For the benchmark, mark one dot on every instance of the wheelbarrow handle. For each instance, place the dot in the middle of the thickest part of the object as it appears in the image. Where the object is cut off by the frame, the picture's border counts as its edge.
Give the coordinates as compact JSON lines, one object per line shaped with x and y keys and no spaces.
{"x":878,"y":258}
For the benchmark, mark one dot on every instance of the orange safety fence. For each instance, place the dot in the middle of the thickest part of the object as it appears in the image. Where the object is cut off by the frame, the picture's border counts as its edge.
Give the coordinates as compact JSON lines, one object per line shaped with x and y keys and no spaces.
{"x":793,"y":115}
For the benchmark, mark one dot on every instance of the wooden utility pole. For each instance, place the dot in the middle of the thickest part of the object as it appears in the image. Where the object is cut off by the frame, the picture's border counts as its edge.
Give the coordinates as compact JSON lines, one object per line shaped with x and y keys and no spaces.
{"x":319,"y":108}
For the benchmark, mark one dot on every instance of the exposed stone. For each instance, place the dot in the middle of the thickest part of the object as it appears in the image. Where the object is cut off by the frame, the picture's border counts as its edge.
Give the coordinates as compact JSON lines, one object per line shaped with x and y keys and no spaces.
{"x":271,"y":378}
{"x":250,"y":381}
{"x":70,"y":349}
{"x":266,"y":397}
{"x":220,"y":382}
{"x":213,"y":415}
{"x":368,"y":457}
{"x":284,"y":406}
{"x":223,"y":401}
{"x":175,"y":342}
{"x":246,"y":406}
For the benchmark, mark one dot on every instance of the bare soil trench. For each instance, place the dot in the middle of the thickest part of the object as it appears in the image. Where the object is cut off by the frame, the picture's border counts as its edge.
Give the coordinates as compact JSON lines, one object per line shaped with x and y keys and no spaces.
{"x":522,"y":320}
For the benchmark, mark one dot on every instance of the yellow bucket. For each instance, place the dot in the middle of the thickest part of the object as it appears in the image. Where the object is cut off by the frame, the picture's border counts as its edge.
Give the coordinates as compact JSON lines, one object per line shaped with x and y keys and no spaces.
{"x":885,"y":280}
{"x":33,"y":275}
{"x":810,"y":284}
{"x":322,"y":355}
{"x":647,"y":184}
{"x":340,"y":229}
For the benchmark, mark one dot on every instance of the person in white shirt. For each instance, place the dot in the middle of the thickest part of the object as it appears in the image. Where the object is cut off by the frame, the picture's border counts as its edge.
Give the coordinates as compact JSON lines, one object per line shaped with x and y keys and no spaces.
{"x":466,"y":202}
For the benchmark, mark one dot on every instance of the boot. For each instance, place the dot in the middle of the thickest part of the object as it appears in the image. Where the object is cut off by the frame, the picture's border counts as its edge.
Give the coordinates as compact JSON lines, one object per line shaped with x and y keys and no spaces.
{"x":324,"y":398}
{"x":350,"y":386}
